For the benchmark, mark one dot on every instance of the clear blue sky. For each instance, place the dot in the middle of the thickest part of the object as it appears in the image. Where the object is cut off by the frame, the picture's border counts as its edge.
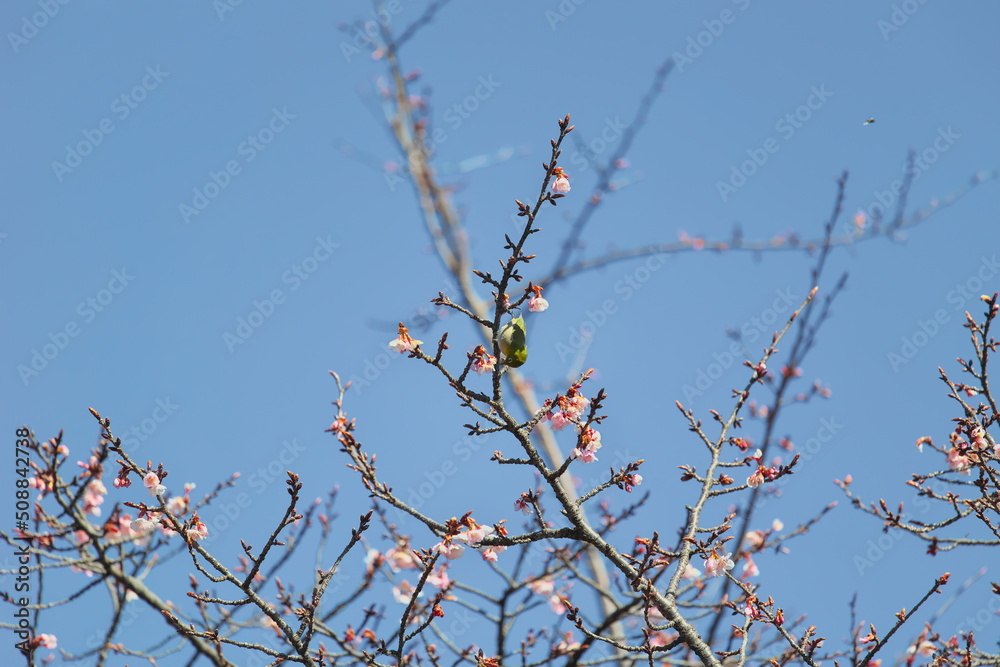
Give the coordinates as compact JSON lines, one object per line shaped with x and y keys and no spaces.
{"x":134,"y":297}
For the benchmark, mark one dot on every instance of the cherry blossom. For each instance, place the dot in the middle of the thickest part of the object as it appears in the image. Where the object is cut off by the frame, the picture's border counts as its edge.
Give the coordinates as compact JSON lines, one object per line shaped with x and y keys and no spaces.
{"x":152,"y":483}
{"x":523,"y":504}
{"x":403,"y":342}
{"x":448,"y":549}
{"x":542,"y":586}
{"x":561,"y":184}
{"x":483,"y":362}
{"x":716,"y":566}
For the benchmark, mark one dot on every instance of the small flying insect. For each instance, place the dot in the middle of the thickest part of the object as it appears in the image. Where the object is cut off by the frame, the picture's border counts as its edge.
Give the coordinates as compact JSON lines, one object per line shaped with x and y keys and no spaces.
{"x":869,"y":121}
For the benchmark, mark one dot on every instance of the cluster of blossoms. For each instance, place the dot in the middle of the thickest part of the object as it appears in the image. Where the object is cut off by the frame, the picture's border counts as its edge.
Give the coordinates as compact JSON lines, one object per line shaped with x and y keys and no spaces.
{"x":483,"y":361}
{"x":452,"y":546}
{"x":568,"y":409}
{"x":588,"y":442}
{"x":401,"y":557}
{"x":630,"y":480}
{"x":763,"y":473}
{"x":959,"y":458}
{"x":752,"y":610}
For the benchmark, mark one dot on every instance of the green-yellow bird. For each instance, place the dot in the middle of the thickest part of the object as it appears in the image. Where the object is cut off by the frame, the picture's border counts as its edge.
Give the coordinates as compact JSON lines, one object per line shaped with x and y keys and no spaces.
{"x":513,"y":342}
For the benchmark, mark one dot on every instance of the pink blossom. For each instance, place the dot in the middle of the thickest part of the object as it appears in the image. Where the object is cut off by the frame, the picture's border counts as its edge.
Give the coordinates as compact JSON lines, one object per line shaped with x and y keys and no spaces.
{"x":559,"y":420}
{"x":93,"y":497}
{"x":44,"y":641}
{"x":958,"y":461}
{"x":152,"y":482}
{"x":40,"y":484}
{"x":403,"y":592}
{"x":561,"y":184}
{"x":484,"y":363}
{"x":400,"y":558}
{"x":661,"y":638}
{"x":523,"y":504}
{"x":142,"y":525}
{"x":749,"y":568}
{"x":557,"y":604}
{"x":476,"y":535}
{"x":178,"y":505}
{"x":439,"y":578}
{"x":859,"y":220}
{"x":492,"y":554}
{"x":198,"y":530}
{"x":538,"y":304}
{"x":575,"y":404}
{"x":566,"y":645}
{"x":373,"y":559}
{"x":716,"y":566}
{"x":655,"y":616}
{"x":633,"y":479}
{"x":542,"y":586}
{"x":448,"y":549}
{"x":754,"y":539}
{"x":923,"y":648}
{"x":403,"y":342}
{"x":585,"y":455}
{"x":978,"y":438}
